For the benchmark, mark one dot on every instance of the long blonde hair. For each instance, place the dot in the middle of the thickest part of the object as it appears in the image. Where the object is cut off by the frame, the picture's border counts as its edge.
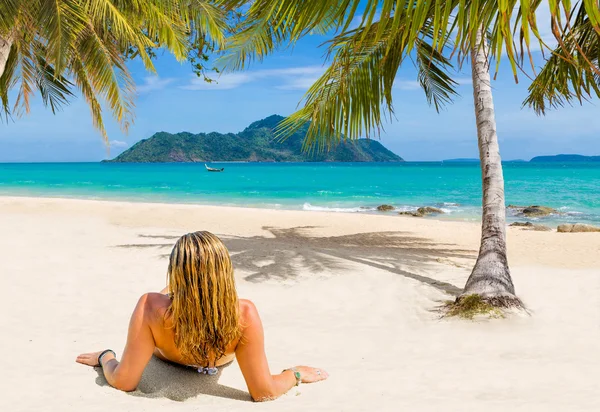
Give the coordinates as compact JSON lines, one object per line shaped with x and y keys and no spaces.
{"x":204,"y":303}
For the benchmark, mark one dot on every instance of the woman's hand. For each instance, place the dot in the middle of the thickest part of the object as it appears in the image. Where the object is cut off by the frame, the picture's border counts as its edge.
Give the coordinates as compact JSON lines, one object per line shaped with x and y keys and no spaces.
{"x":90,"y":359}
{"x":311,"y":375}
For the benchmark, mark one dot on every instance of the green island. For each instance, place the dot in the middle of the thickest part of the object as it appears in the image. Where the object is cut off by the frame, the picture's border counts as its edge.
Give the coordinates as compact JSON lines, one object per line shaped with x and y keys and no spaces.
{"x":256,"y":143}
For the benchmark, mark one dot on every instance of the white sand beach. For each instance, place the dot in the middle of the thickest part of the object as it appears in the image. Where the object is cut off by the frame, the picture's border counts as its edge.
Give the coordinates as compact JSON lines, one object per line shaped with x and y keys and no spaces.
{"x":353,"y":294}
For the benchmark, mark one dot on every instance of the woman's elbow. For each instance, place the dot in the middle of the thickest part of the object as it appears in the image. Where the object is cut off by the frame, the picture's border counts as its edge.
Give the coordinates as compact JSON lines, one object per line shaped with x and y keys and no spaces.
{"x":121,"y":384}
{"x":264,"y":398}
{"x":264,"y":395}
{"x":125,"y":387}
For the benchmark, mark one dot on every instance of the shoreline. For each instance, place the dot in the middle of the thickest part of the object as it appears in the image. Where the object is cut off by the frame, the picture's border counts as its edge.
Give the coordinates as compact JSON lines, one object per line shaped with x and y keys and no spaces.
{"x":551,"y":221}
{"x":525,"y":246}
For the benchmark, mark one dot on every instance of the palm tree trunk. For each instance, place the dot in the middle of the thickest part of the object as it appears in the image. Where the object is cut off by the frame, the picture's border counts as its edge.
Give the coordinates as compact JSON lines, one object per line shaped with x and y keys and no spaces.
{"x":5,"y":45}
{"x":490,"y":278}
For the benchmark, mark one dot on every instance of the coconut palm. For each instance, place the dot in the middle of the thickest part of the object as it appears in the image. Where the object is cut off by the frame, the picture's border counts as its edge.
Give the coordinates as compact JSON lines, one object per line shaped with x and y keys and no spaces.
{"x":57,"y":46}
{"x":354,"y":95}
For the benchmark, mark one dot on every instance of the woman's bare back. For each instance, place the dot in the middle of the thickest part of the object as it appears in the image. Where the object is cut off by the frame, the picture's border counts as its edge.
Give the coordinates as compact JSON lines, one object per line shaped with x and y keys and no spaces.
{"x":164,"y":337}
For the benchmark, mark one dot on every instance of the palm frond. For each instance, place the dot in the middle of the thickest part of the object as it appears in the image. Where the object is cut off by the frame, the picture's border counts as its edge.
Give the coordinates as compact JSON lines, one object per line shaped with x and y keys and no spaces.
{"x":63,"y":20}
{"x":433,"y":75}
{"x":271,"y":23}
{"x":350,"y":97}
{"x":8,"y":80}
{"x":9,"y":11}
{"x":208,"y":20}
{"x":268,"y":24}
{"x":354,"y":95}
{"x":566,"y":76}
{"x":109,"y":19}
{"x":28,"y":73}
{"x":54,"y":88}
{"x":107,"y":74}
{"x":88,"y":91}
{"x":164,"y":28}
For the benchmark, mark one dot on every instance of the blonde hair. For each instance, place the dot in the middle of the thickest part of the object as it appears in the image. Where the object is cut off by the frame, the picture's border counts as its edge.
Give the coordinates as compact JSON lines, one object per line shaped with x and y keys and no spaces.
{"x":204,"y":303}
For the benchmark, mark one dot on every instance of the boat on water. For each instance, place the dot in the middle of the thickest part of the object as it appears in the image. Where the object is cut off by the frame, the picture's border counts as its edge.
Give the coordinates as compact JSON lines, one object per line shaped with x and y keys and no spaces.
{"x":212,"y":169}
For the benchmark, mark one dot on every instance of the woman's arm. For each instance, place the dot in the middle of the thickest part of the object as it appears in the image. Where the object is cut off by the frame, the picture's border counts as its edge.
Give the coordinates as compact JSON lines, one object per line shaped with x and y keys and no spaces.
{"x":126,"y":375}
{"x":250,"y":354}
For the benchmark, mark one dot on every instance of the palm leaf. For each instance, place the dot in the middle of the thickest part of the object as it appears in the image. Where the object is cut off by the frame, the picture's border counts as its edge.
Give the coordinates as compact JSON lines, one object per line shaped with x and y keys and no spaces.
{"x":9,"y":11}
{"x":63,"y":20}
{"x":54,"y":88}
{"x":109,"y":20}
{"x":8,"y":79}
{"x":433,"y":75}
{"x":106,"y":73}
{"x":566,"y":76}
{"x":354,"y":94}
{"x":268,"y":24}
{"x":88,"y":91}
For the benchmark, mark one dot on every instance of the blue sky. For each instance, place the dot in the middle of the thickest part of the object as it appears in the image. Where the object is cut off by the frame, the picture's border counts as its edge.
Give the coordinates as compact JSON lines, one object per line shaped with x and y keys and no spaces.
{"x":176,"y":101}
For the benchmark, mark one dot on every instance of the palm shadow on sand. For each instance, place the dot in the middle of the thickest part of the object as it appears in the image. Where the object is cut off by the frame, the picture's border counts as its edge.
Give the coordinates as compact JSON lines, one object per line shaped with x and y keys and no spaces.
{"x":178,"y":383}
{"x":287,"y":252}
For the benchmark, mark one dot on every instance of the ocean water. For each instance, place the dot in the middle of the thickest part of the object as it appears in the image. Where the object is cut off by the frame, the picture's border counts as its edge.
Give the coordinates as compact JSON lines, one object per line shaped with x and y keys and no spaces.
{"x":573,"y":189}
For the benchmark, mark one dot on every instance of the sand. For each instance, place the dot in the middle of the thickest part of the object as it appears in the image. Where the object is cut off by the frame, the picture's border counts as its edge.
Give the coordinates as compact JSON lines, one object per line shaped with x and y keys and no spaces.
{"x":353,"y":294}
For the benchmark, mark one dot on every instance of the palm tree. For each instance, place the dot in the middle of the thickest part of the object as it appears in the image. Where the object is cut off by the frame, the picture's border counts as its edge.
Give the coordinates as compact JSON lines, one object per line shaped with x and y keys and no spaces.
{"x":354,"y":94}
{"x":55,"y":46}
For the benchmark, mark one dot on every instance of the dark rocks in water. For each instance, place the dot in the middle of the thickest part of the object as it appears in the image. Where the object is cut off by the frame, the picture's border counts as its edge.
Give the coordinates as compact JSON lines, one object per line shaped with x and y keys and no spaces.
{"x":423,"y":211}
{"x":531,"y":226}
{"x":427,"y":210}
{"x":533,"y":211}
{"x":521,"y":224}
{"x":385,"y":208}
{"x":539,"y":211}
{"x":577,"y":228}
{"x":415,"y":214}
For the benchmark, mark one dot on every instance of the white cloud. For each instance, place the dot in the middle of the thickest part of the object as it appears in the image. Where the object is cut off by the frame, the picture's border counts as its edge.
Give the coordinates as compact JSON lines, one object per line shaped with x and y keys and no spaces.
{"x":117,"y":143}
{"x":293,"y":71}
{"x":290,"y":78}
{"x":224,"y":82}
{"x":301,"y":83}
{"x":152,"y":83}
{"x":406,"y":84}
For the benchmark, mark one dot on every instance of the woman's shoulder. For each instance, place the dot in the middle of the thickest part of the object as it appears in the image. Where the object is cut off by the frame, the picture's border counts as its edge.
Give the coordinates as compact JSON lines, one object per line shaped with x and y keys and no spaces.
{"x":248,"y":311}
{"x":154,"y":305}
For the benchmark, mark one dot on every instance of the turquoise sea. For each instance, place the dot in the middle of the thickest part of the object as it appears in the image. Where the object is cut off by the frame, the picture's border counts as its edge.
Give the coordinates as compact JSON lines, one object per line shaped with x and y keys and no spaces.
{"x":573,"y":189}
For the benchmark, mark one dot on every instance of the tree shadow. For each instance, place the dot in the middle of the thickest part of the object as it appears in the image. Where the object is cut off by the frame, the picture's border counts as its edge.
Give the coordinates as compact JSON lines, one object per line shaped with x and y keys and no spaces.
{"x":178,"y":383}
{"x":290,"y":251}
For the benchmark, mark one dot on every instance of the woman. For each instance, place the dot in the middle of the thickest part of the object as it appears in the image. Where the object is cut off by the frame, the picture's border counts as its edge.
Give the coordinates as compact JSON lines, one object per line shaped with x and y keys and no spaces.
{"x":200,"y":323}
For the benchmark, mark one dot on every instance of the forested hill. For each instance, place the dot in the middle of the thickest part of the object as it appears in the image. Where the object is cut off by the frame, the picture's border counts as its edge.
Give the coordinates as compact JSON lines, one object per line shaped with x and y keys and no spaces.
{"x":255,"y":144}
{"x":565,"y":158}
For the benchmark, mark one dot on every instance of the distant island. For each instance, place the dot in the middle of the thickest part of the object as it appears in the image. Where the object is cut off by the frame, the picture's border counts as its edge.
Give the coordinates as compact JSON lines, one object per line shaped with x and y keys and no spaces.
{"x":255,"y":144}
{"x":561,"y":158}
{"x":565,"y":158}
{"x":472,"y":160}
